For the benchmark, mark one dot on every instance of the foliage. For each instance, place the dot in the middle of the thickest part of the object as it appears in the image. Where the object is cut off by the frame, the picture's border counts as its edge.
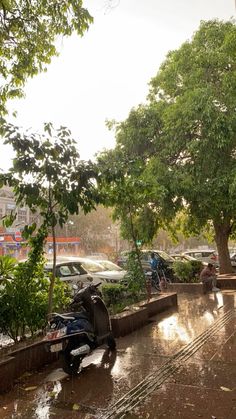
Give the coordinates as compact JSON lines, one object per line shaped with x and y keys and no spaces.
{"x":27,"y":38}
{"x":48,"y":177}
{"x":113,"y":293}
{"x":187,"y":271}
{"x":117,"y":297}
{"x":7,"y":265}
{"x":135,"y":275}
{"x":174,"y":143}
{"x":197,"y":85}
{"x":197,"y":267}
{"x":24,"y":300}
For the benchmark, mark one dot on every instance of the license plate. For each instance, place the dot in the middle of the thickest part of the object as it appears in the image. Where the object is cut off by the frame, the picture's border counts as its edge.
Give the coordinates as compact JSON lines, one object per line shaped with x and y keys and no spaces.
{"x":56,"y":348}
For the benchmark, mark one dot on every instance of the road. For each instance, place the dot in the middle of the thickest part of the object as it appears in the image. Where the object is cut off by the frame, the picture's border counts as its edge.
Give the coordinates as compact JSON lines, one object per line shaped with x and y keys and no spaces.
{"x":180,"y":365}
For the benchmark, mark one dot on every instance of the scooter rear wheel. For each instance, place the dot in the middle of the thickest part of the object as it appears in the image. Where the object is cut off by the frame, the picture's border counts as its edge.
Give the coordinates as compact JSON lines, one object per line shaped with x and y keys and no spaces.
{"x":71,"y":364}
{"x":111,"y":343}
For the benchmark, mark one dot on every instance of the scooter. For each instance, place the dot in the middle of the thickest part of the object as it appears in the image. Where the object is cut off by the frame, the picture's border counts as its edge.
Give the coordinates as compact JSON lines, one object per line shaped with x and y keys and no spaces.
{"x":77,"y":333}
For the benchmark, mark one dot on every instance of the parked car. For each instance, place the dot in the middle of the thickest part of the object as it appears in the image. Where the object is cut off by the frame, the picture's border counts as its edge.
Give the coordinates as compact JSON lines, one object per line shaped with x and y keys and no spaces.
{"x":166,"y":259}
{"x":184,"y":258}
{"x":103,"y":270}
{"x":71,"y":272}
{"x":204,"y":255}
{"x":96,"y":271}
{"x":233,"y":259}
{"x":110,"y":266}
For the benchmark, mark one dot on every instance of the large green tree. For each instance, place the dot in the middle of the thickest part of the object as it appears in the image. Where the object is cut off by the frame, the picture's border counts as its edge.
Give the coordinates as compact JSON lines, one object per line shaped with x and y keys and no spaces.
{"x":185,"y":135}
{"x":28,"y":32}
{"x":197,"y":84}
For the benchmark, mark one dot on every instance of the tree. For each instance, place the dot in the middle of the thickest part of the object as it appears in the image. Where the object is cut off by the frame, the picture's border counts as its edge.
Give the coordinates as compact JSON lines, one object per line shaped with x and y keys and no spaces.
{"x":122,"y":187}
{"x":126,"y":176}
{"x":48,"y":177}
{"x":185,"y":135}
{"x":197,"y":86}
{"x":28,"y":31}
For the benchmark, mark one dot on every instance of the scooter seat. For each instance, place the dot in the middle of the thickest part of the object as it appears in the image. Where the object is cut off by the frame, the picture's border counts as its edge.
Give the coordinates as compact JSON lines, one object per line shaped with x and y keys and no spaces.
{"x":64,"y":316}
{"x":77,"y":315}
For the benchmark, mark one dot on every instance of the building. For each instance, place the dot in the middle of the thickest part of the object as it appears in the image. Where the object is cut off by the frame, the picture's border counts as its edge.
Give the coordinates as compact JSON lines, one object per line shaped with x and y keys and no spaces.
{"x":11,"y":241}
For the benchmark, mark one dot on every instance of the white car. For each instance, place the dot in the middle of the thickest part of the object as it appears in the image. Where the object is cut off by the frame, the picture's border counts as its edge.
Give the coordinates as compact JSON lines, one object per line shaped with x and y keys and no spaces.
{"x":105,"y":270}
{"x":71,"y":272}
{"x":233,"y":259}
{"x":204,"y":255}
{"x":96,"y":271}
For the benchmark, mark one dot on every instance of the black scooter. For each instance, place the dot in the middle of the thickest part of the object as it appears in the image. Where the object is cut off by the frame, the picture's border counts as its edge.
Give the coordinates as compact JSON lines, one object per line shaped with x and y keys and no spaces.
{"x":74,"y":335}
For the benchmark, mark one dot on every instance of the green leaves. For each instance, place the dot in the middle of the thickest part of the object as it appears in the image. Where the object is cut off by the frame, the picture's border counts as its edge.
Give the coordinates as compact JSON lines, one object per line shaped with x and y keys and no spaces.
{"x":178,"y":151}
{"x":47,"y":173}
{"x":27,"y":39}
{"x":49,"y":178}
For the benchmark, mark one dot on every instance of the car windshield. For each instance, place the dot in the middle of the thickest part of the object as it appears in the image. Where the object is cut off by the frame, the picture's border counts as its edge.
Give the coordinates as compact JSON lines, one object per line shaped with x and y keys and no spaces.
{"x":93,"y":266}
{"x":109,"y":266}
{"x":165,"y":256}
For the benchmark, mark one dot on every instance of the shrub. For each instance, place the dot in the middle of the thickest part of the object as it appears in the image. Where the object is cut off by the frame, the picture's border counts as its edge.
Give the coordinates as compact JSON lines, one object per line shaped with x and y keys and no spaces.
{"x":197,"y":267}
{"x":7,"y":265}
{"x":187,"y":271}
{"x":24,"y":300}
{"x":113,"y":293}
{"x":135,"y":276}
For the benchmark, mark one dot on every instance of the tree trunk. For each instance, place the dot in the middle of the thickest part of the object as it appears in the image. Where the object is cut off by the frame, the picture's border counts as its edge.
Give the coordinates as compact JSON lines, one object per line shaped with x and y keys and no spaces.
{"x":52,"y":282}
{"x":222,"y":232}
{"x":134,"y":239}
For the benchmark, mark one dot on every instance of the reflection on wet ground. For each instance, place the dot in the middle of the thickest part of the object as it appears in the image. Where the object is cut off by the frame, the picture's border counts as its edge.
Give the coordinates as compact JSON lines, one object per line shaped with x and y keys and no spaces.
{"x":191,"y":351}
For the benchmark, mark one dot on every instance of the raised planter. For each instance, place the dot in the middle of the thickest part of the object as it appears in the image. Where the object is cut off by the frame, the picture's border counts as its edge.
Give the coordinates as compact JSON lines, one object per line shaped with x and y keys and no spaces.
{"x":226,"y":283}
{"x":138,"y":314}
{"x":191,"y":288}
{"x":160,"y":303}
{"x":126,"y":322}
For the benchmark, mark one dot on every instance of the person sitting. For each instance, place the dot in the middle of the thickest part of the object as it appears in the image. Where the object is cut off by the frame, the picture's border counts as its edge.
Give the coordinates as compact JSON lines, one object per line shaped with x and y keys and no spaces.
{"x":208,"y":278}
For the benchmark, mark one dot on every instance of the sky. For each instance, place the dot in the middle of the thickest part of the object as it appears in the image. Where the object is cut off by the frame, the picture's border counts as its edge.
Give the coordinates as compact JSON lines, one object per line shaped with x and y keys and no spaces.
{"x":106,"y":72}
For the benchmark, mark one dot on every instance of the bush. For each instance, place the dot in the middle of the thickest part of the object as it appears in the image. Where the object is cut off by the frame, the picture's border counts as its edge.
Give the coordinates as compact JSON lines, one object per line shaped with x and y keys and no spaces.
{"x":134,"y":278}
{"x":24,"y":300}
{"x":187,"y":271}
{"x":7,"y":265}
{"x":113,"y":293}
{"x":197,"y":267}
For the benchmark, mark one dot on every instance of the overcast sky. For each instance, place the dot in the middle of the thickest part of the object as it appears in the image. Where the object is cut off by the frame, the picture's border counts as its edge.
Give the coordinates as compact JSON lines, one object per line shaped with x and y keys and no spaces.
{"x":104,"y":74}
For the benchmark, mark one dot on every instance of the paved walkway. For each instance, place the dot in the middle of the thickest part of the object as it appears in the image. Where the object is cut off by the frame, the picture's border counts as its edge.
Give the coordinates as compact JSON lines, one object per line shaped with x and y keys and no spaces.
{"x":181,"y":365}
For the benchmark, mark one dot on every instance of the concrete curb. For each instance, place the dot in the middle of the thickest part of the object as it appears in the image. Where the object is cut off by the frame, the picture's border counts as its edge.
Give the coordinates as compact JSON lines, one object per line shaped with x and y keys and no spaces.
{"x":191,"y":288}
{"x":21,"y":360}
{"x":194,"y":288}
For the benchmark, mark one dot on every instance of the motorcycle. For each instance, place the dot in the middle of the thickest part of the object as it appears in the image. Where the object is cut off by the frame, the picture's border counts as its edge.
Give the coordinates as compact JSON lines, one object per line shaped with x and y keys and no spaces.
{"x":77,"y":333}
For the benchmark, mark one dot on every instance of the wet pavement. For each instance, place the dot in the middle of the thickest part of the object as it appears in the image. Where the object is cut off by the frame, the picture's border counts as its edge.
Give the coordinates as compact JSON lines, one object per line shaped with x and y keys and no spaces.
{"x":180,"y":365}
